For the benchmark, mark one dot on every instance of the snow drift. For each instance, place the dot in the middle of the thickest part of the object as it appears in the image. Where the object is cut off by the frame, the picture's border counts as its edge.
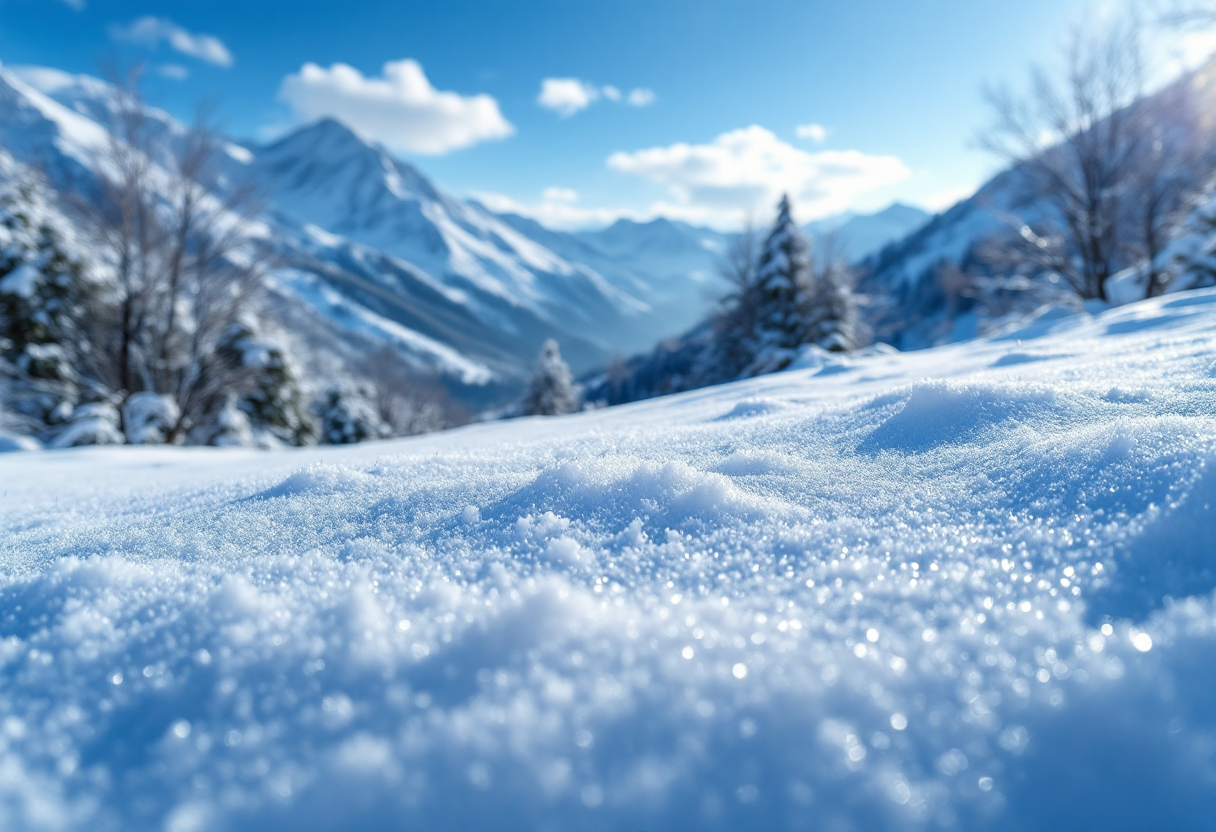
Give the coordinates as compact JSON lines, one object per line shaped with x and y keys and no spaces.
{"x":942,"y":590}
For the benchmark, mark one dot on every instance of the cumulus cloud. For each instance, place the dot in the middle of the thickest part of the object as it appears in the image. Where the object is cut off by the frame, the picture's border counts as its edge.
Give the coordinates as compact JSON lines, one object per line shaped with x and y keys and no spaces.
{"x":400,"y":108}
{"x":153,"y":31}
{"x":745,"y":172}
{"x":815,"y":132}
{"x":567,"y":96}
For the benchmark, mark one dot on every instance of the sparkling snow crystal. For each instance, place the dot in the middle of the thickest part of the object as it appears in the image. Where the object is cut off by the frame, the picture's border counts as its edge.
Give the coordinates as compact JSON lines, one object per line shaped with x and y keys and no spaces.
{"x":928,"y":591}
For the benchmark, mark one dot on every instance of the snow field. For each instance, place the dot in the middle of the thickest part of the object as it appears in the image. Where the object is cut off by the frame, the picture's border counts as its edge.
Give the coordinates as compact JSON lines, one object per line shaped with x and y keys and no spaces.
{"x":920,"y":591}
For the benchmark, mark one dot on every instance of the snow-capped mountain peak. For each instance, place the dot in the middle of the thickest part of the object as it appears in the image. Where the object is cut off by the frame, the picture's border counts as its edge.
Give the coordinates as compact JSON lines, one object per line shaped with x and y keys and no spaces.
{"x":326,"y":153}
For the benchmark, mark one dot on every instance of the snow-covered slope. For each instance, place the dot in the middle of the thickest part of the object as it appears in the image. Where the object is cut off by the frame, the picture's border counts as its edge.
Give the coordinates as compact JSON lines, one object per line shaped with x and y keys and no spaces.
{"x":671,"y":266}
{"x":905,"y":272}
{"x":907,"y":266}
{"x":969,"y":588}
{"x":325,"y":175}
{"x":40,"y":131}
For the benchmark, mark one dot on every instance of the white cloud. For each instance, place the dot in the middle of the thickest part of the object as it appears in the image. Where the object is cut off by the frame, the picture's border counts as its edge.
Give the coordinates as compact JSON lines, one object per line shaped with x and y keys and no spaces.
{"x":566,"y":96}
{"x":400,"y":108}
{"x":152,"y":31}
{"x":744,"y":172}
{"x":815,"y":132}
{"x":75,"y":4}
{"x":640,"y":97}
{"x":177,"y":72}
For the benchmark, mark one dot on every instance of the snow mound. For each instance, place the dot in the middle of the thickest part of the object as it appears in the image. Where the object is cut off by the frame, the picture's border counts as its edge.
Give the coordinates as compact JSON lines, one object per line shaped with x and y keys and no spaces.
{"x":318,"y":481}
{"x":931,"y":594}
{"x":940,"y":413}
{"x":90,"y":424}
{"x":753,"y":407}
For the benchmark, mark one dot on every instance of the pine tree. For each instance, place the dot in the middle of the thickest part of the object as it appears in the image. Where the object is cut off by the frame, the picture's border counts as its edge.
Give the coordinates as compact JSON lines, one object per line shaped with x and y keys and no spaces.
{"x":348,"y":416}
{"x":230,"y":428}
{"x":782,"y":277}
{"x":43,"y":293}
{"x":271,"y":396}
{"x":551,"y":391}
{"x":831,"y":315}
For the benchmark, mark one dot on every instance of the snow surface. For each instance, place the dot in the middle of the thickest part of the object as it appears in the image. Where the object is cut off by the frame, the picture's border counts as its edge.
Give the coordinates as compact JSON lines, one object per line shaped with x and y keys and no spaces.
{"x":967,"y":588}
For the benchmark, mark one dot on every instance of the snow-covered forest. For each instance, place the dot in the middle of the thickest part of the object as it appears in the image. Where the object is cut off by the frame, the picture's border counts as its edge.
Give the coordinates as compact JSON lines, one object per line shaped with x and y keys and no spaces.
{"x":871,"y":521}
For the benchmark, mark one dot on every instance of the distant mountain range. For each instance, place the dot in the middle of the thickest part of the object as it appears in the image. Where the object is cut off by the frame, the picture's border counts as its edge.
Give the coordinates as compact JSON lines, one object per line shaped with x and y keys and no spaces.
{"x":375,"y":253}
{"x":857,"y":236}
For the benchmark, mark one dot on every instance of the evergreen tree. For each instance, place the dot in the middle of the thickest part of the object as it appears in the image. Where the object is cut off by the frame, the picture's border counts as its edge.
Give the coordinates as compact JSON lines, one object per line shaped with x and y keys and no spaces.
{"x":348,"y":416}
{"x":783,"y":275}
{"x":271,"y":396}
{"x":43,"y":293}
{"x":831,"y":317}
{"x":551,"y":391}
{"x":230,"y":429}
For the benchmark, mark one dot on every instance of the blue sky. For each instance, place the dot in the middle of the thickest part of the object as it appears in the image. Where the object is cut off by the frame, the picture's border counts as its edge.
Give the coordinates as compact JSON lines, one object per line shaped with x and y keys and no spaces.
{"x":580,"y":111}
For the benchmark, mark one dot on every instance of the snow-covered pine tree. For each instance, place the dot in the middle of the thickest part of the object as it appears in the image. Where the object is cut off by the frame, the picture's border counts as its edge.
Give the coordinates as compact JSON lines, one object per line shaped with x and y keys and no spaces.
{"x":271,"y":395}
{"x":230,"y":429}
{"x":43,"y":293}
{"x":551,"y":391}
{"x":347,"y":416}
{"x":783,"y":275}
{"x":831,"y":316}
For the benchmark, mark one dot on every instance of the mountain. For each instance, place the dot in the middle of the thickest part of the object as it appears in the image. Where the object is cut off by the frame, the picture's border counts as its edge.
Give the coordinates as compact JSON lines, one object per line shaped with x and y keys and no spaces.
{"x":326,"y":176}
{"x":905,"y":273}
{"x":671,"y":266}
{"x":375,"y":253}
{"x":857,"y":236}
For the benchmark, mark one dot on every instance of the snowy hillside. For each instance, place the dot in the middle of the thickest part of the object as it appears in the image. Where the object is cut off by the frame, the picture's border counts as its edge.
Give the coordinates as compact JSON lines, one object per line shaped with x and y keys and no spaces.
{"x":672,"y":266}
{"x":969,"y":588}
{"x":907,"y":271}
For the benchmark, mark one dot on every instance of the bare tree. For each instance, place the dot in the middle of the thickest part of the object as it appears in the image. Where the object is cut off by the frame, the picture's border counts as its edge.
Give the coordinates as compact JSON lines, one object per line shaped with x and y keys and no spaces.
{"x":185,"y":266}
{"x":737,"y":313}
{"x":1184,"y":14}
{"x":1075,"y":141}
{"x":1169,"y":169}
{"x":121,"y":219}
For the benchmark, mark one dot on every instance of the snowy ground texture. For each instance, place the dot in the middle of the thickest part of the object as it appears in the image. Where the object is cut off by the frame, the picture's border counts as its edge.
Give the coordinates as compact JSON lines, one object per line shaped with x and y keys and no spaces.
{"x":969,"y":588}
